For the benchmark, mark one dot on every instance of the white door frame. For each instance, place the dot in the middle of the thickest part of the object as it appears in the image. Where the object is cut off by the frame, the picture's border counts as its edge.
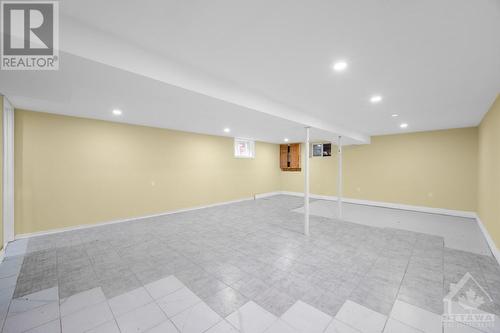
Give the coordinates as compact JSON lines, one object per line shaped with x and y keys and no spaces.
{"x":8,"y":172}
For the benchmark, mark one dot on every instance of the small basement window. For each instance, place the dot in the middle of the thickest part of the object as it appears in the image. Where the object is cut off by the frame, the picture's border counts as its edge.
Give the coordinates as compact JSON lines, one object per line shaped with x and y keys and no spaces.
{"x":317,"y":149}
{"x":321,"y":149}
{"x":244,"y":148}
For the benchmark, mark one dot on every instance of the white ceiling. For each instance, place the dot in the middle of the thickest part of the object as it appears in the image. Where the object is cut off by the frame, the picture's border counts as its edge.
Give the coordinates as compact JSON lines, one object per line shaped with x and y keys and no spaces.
{"x":88,"y":89}
{"x":435,"y":62}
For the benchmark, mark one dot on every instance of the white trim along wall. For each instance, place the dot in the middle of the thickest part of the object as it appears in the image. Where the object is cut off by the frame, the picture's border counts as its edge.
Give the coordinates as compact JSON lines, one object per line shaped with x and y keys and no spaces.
{"x":459,"y":213}
{"x":491,"y":243}
{"x":86,"y":226}
{"x":423,"y":209}
{"x":8,"y":172}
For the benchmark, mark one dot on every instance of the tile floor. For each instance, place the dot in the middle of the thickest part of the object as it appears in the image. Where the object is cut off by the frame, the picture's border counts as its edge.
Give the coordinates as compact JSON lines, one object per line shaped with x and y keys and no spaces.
{"x":459,"y":233}
{"x":243,"y":267}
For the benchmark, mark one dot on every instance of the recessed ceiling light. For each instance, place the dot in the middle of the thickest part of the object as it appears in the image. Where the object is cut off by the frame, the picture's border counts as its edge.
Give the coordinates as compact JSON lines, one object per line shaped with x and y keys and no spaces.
{"x":117,"y":112}
{"x":394,"y":115}
{"x":286,"y":140}
{"x":227,"y":130}
{"x":376,"y":99}
{"x":403,"y":125}
{"x":339,"y":66}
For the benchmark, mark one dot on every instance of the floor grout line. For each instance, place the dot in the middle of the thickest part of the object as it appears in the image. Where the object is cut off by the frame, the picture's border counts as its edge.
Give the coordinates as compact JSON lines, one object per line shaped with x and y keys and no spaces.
{"x":11,"y":297}
{"x":401,"y":283}
{"x":113,"y":314}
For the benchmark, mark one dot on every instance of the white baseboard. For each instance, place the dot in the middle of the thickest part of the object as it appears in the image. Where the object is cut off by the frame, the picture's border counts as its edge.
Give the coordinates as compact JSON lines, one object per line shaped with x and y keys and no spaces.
{"x":265,"y":195}
{"x":467,"y":214}
{"x":493,"y":247}
{"x":86,"y":226}
{"x":2,"y":255}
{"x":423,"y":209}
{"x":431,"y":210}
{"x":295,"y":194}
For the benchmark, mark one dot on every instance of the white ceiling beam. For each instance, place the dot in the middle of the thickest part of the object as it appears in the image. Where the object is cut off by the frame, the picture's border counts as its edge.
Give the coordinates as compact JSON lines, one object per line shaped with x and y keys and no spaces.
{"x":89,"y":43}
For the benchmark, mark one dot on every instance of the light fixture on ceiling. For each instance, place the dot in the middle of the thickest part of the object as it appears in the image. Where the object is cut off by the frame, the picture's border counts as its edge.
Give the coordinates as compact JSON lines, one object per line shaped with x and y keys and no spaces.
{"x":117,"y":112}
{"x":394,"y":115}
{"x":339,"y":66}
{"x":376,"y":99}
{"x":227,"y":130}
{"x":404,"y":125}
{"x":286,"y":139}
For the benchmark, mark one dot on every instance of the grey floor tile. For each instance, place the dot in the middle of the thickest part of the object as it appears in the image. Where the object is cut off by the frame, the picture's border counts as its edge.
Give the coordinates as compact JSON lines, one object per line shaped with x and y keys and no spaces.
{"x":325,"y":301}
{"x":275,"y":301}
{"x":229,"y":274}
{"x":226,"y":301}
{"x":250,"y":286}
{"x":111,"y":271}
{"x":205,"y":285}
{"x":151,"y":274}
{"x":71,"y":288}
{"x":108,"y":257}
{"x":76,"y":273}
{"x":65,"y":268}
{"x":416,"y":271}
{"x":118,"y":285}
{"x":371,"y":299}
{"x":254,"y":250}
{"x":293,"y":285}
{"x":386,"y":289}
{"x":28,"y":282}
{"x":426,"y":294}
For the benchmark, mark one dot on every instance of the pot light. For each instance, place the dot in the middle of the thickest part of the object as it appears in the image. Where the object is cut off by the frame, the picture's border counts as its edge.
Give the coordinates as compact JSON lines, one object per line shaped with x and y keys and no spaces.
{"x":117,"y":112}
{"x":394,"y":115}
{"x":227,"y":130}
{"x":376,"y":99}
{"x":404,"y":125}
{"x":339,"y":66}
{"x":286,"y":140}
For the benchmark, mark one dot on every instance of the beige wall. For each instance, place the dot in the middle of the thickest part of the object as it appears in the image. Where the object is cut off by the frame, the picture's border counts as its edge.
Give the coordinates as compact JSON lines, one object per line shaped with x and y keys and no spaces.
{"x":434,"y":169}
{"x":72,"y":171}
{"x":489,"y":171}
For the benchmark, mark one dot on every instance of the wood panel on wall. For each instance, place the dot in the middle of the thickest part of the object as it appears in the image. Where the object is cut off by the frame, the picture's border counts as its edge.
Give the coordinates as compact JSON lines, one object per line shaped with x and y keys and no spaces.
{"x":295,"y":156}
{"x":290,"y":157}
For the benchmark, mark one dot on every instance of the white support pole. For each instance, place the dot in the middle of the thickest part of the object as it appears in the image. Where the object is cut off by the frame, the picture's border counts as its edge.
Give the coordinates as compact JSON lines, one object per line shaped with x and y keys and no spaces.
{"x":8,"y":172}
{"x":339,"y":180}
{"x":306,"y":185}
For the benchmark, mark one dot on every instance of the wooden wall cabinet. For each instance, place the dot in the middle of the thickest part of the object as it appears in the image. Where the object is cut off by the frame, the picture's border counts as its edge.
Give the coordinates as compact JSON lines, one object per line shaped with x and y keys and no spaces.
{"x":290,"y":157}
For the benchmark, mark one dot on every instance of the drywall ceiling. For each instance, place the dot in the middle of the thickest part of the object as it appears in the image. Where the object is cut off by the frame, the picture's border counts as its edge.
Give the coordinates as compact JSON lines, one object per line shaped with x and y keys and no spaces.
{"x":85,"y":88}
{"x":436,"y":63}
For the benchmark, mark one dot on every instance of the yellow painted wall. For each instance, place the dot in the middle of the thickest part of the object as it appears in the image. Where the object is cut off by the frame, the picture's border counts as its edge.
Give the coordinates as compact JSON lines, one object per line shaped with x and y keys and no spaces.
{"x":434,"y":169}
{"x":489,"y":171}
{"x":72,"y":171}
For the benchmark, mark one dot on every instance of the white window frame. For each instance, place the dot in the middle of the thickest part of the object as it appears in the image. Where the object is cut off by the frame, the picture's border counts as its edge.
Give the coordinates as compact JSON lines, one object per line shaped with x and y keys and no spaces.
{"x":322,"y":149}
{"x":312,"y":149}
{"x":251,"y":148}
